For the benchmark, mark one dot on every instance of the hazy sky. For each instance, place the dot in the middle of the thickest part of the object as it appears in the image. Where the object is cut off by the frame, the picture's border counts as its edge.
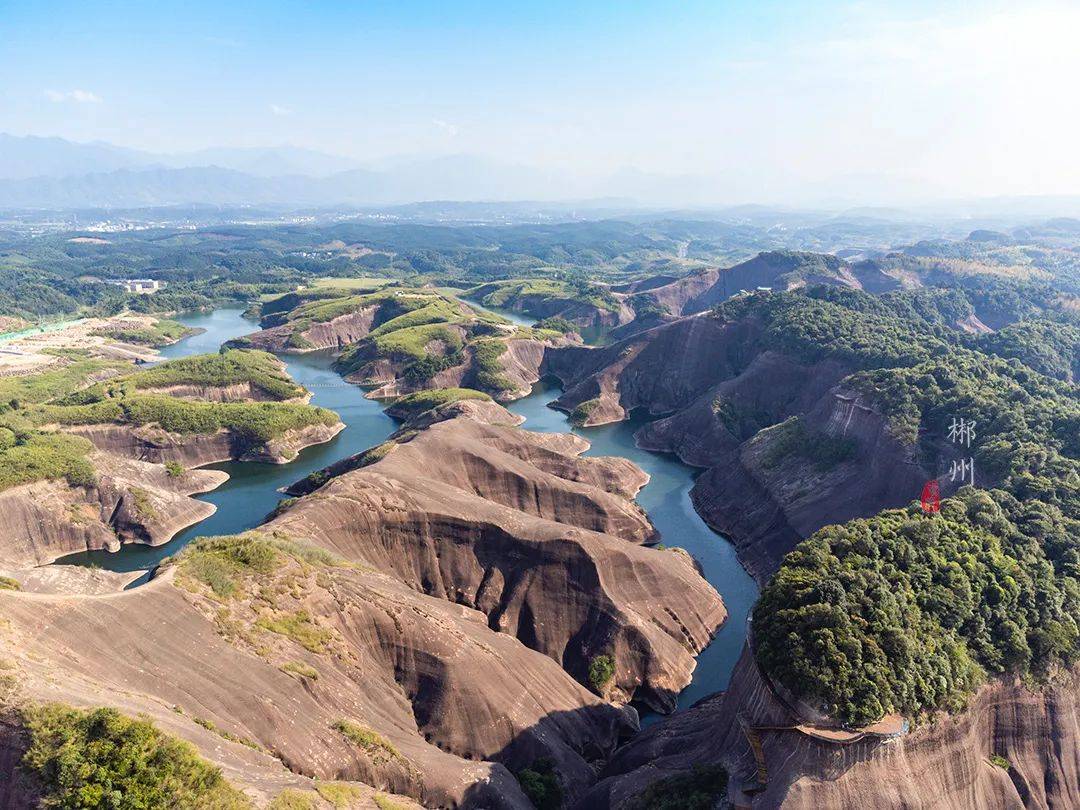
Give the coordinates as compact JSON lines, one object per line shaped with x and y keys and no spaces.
{"x":776,"y":99}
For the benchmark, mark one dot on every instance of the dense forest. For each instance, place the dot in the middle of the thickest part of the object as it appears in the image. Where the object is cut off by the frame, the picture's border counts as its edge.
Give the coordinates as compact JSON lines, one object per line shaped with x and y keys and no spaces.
{"x":909,"y":611}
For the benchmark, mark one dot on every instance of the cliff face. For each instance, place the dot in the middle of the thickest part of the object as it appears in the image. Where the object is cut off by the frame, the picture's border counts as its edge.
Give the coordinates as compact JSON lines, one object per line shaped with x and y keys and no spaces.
{"x":151,"y":443}
{"x":484,"y":568}
{"x":133,"y":501}
{"x":334,"y":334}
{"x":944,"y":765}
{"x":778,"y":270}
{"x":542,"y":542}
{"x":728,"y":394}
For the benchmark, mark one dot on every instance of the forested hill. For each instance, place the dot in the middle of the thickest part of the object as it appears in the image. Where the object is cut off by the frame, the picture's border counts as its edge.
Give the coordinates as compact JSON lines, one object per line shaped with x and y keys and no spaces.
{"x":909,"y":611}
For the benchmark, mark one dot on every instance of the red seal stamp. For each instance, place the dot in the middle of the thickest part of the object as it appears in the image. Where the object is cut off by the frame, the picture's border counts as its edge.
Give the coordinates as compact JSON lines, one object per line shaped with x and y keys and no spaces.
{"x":931,"y":497}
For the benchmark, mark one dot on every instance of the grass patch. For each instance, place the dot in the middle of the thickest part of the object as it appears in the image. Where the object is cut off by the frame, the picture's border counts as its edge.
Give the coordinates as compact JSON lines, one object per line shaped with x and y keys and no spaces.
{"x":487,"y":372}
{"x":174,"y":469}
{"x":52,"y":384}
{"x":9,"y":584}
{"x":384,"y":802}
{"x":999,"y":761}
{"x":161,"y":333}
{"x":580,"y":414}
{"x":417,"y":403}
{"x":227,"y":735}
{"x":219,"y":562}
{"x":226,"y":368}
{"x":369,"y":740}
{"x":101,"y":758}
{"x":301,"y":669}
{"x":300,"y":627}
{"x":339,"y":794}
{"x":291,"y":799}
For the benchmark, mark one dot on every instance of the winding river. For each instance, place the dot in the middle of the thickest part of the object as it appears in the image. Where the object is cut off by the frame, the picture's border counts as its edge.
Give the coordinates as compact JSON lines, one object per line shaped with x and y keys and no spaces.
{"x":253,"y":490}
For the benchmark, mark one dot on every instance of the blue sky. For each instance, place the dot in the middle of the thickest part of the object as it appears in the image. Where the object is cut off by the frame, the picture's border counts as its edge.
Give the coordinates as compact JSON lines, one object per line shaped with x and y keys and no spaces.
{"x":769,"y":97}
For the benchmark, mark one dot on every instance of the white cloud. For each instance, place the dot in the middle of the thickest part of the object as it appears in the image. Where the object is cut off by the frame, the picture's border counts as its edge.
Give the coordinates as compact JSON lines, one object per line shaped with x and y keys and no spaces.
{"x":77,"y":96}
{"x":277,"y":109}
{"x":450,"y":129}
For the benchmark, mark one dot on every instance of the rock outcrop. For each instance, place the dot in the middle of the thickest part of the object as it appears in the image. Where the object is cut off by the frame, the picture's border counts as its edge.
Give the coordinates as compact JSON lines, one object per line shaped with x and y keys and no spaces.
{"x":944,"y":765}
{"x":728,"y":392}
{"x":477,"y":570}
{"x":544,"y":543}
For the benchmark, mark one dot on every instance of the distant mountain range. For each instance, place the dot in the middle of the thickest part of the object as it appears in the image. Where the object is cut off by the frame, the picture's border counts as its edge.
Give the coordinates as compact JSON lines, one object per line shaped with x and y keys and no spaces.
{"x":56,"y":173}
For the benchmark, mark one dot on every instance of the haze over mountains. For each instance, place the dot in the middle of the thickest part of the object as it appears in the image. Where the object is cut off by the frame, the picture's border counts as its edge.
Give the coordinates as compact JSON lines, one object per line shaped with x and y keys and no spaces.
{"x":57,"y":174}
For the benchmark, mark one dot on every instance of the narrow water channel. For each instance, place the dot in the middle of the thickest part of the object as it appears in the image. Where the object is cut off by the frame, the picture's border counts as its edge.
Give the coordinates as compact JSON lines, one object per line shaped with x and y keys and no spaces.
{"x":253,"y":490}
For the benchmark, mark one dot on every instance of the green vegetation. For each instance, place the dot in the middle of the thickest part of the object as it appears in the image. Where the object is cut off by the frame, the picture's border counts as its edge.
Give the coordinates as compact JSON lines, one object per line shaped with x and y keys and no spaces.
{"x":300,"y":627}
{"x":224,"y":563}
{"x":384,"y":802}
{"x":540,"y":783}
{"x":421,"y":401}
{"x":301,"y":669}
{"x":375,"y":744}
{"x":56,"y":382}
{"x":580,"y":414}
{"x":558,"y":324}
{"x":102,"y":759}
{"x":209,"y":725}
{"x":9,"y":584}
{"x":1000,"y":762}
{"x":792,"y":438}
{"x":908,"y":611}
{"x":291,"y":799}
{"x":541,"y":294}
{"x":601,"y":671}
{"x":1049,"y":347}
{"x":161,"y":333}
{"x":28,"y":456}
{"x":701,"y":789}
{"x":230,"y":367}
{"x":486,"y":370}
{"x":174,"y":469}
{"x":339,"y":794}
{"x":251,"y":423}
{"x":27,"y":453}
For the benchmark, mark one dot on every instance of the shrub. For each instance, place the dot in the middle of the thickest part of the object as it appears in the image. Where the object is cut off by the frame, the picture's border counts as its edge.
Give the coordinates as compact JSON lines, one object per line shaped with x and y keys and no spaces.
{"x":9,"y":584}
{"x":580,"y":414}
{"x":301,"y":669}
{"x":300,"y":627}
{"x":101,"y":758}
{"x":421,"y":401}
{"x":487,"y":372}
{"x":700,"y":789}
{"x":174,"y":469}
{"x":369,"y":740}
{"x":1000,"y":761}
{"x":34,"y":456}
{"x":339,"y":794}
{"x":290,"y":799}
{"x":601,"y":671}
{"x":540,"y":783}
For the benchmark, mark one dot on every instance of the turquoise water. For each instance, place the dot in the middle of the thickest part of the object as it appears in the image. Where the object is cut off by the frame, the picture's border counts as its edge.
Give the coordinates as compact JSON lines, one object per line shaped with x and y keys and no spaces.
{"x":252,"y":491}
{"x":667,"y":500}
